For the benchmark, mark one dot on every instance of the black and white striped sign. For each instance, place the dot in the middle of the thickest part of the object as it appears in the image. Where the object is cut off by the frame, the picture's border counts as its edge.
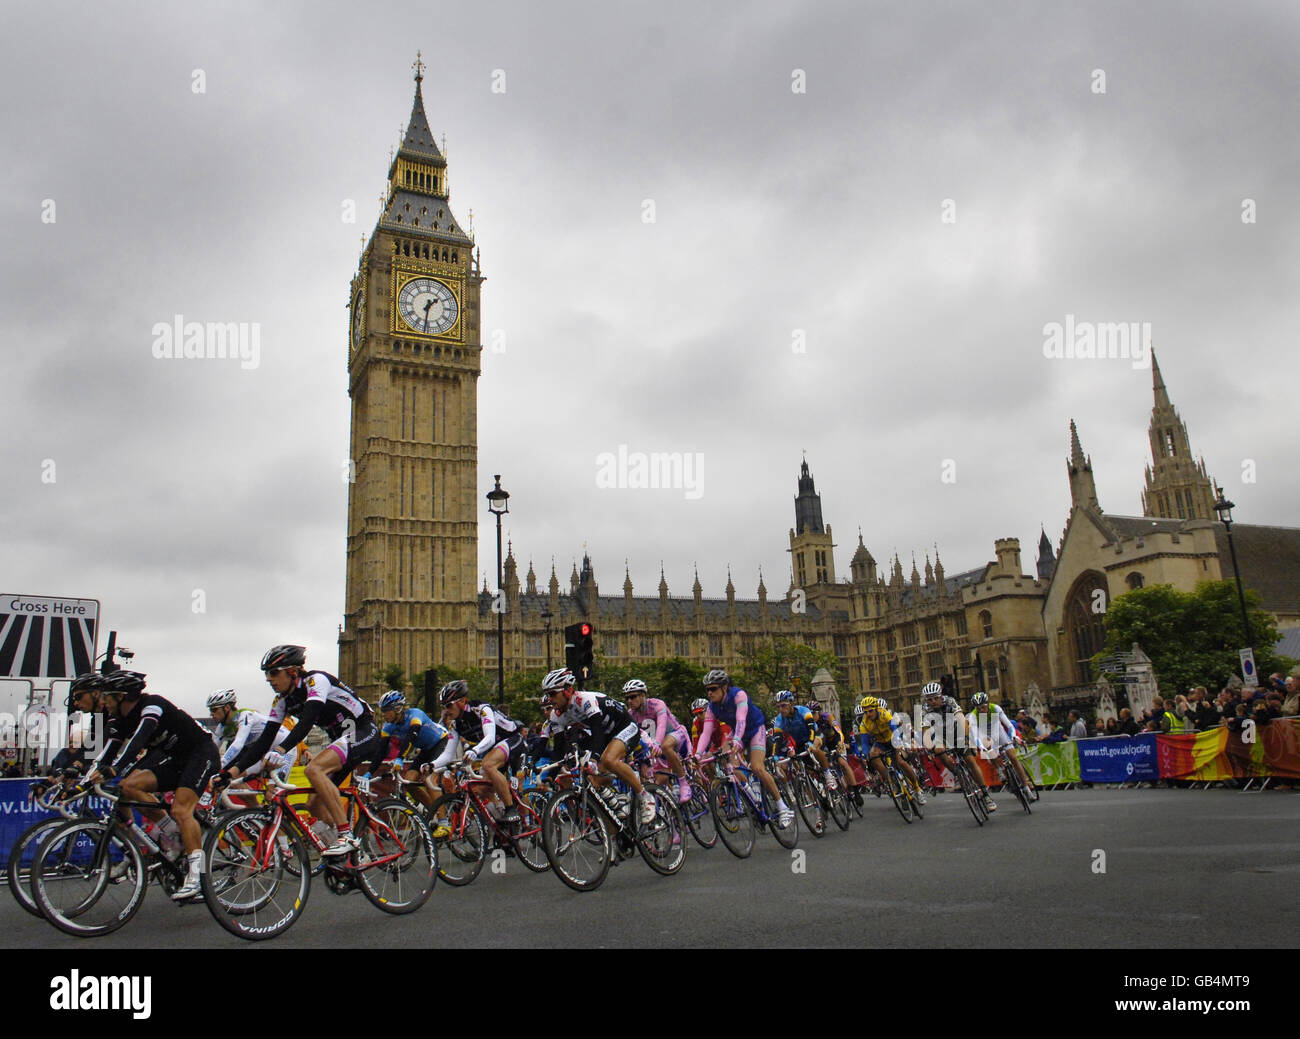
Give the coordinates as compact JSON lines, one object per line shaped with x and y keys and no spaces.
{"x":47,"y":638}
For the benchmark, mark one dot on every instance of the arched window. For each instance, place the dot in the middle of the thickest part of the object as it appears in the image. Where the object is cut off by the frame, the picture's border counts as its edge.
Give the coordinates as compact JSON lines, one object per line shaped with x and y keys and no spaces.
{"x":1085,"y":622}
{"x":1134,"y":581}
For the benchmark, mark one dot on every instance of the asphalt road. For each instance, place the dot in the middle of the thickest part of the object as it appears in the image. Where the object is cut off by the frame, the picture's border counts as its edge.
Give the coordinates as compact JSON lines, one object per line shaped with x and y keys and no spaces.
{"x":1183,"y":869}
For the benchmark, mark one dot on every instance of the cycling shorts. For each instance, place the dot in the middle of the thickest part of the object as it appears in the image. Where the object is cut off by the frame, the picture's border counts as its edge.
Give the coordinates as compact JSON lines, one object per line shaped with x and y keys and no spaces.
{"x":192,"y":772}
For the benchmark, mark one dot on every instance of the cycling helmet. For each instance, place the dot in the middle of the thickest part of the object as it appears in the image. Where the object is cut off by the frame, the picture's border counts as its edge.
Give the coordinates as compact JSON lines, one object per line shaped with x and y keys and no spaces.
{"x":814,"y":705}
{"x":857,"y":711}
{"x":784,"y":696}
{"x":86,"y":683}
{"x":124,"y":683}
{"x":932,"y":689}
{"x":883,"y":703}
{"x":221,"y":698}
{"x":633,"y":685}
{"x":453,"y":691}
{"x":699,"y":705}
{"x":717,"y":677}
{"x":557,"y":680}
{"x":392,"y":700}
{"x":870,"y":703}
{"x":284,"y":656}
{"x":979,"y":700}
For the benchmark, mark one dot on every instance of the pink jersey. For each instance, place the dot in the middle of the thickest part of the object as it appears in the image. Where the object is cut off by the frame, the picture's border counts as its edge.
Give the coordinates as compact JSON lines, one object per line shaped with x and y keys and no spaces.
{"x":656,"y":713}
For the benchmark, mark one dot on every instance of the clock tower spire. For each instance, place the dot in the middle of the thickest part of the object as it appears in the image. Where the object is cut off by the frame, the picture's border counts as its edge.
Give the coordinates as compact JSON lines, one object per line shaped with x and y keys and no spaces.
{"x":413,"y":367}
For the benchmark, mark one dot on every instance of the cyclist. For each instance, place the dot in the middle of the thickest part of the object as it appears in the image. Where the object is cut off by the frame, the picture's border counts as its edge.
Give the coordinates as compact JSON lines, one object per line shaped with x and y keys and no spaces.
{"x":883,"y":727}
{"x":180,"y":757}
{"x":796,"y":721}
{"x":940,"y":709}
{"x":1002,"y":735}
{"x":221,"y":706}
{"x":413,"y":728}
{"x":828,"y":738}
{"x":495,"y":739}
{"x":248,"y":725}
{"x":661,"y":729}
{"x":83,"y":696}
{"x":731,"y":704}
{"x":315,"y":698}
{"x":613,"y":732}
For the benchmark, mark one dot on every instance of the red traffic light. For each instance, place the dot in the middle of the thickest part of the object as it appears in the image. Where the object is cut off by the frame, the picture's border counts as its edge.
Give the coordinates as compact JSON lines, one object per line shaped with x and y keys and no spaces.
{"x":586,"y":629}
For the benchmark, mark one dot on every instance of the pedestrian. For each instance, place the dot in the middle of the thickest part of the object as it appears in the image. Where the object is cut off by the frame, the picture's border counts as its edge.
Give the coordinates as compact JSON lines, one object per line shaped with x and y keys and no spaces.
{"x":1044,"y":727}
{"x":1291,"y":702}
{"x":1128,"y":725}
{"x":1112,"y":726}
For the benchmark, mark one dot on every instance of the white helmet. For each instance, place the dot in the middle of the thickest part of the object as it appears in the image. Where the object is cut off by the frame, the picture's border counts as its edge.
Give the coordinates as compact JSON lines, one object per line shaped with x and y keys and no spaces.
{"x":633,"y":685}
{"x":557,"y":679}
{"x":932,"y":689}
{"x":221,"y":698}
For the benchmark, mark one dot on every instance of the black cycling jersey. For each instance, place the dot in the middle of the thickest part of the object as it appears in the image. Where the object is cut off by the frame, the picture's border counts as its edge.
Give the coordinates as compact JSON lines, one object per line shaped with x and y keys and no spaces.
{"x":163,"y":727}
{"x":317,"y":698}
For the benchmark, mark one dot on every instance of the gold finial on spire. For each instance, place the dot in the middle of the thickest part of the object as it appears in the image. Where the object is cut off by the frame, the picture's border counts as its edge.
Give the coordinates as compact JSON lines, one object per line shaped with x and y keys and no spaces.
{"x":419,"y":66}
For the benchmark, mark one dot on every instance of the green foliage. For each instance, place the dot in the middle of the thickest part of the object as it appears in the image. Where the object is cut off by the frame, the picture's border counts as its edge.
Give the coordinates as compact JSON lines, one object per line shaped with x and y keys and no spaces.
{"x":1192,"y":638}
{"x":392,"y":677}
{"x":674,"y":681}
{"x":786,"y":664}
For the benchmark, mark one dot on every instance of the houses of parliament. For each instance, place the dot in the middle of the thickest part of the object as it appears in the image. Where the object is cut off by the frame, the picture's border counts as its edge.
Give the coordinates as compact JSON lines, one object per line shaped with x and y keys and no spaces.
{"x":412,"y":539}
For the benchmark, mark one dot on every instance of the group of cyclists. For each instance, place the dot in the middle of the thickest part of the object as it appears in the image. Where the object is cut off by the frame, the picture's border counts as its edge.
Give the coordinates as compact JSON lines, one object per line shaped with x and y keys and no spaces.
{"x":153,"y":747}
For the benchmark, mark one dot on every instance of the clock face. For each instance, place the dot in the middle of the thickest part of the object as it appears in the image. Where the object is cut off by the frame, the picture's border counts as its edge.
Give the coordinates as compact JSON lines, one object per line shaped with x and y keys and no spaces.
{"x":427,"y":305}
{"x":358,"y":320}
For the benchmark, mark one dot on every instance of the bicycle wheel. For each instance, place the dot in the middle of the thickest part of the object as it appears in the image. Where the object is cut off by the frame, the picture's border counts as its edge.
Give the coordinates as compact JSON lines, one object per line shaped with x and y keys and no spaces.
{"x":800,"y":788}
{"x":24,"y":851}
{"x":399,"y":835}
{"x":839,"y":804}
{"x":528,"y":844}
{"x":731,"y":817}
{"x":576,"y":840}
{"x":1017,"y":787}
{"x":460,"y":852}
{"x":786,"y":836}
{"x":901,"y":801}
{"x":699,"y":819}
{"x":913,"y":796}
{"x":247,"y":884}
{"x":662,"y":843}
{"x":974,"y":800}
{"x":88,"y":878}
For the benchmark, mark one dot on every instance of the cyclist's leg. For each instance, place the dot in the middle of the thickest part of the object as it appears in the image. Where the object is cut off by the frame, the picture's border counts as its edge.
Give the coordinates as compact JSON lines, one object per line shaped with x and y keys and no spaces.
{"x":325,"y":803}
{"x":198,"y":769}
{"x":757,"y":755}
{"x":612,"y":761}
{"x":140,"y":786}
{"x":493,"y":762}
{"x":1019,"y":766}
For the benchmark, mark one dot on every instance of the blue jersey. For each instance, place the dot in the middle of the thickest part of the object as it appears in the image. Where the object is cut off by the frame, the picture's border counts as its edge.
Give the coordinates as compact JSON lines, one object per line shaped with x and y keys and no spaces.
{"x":797,"y":725}
{"x":725,"y":710}
{"x":416,"y":728}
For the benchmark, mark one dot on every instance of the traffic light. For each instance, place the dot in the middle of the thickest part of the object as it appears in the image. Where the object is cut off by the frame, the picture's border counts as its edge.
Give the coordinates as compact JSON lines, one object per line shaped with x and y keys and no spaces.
{"x":578,"y":654}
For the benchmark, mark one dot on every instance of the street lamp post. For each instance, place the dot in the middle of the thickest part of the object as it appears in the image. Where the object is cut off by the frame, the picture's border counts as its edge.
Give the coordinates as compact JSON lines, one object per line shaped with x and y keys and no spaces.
{"x":498,"y":505}
{"x":1224,"y":509}
{"x":546,"y":616}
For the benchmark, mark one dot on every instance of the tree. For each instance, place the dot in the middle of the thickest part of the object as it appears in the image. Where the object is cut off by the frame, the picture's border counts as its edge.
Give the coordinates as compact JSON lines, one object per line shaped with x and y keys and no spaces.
{"x":392,"y":677}
{"x":784,"y":664}
{"x":1192,"y":638}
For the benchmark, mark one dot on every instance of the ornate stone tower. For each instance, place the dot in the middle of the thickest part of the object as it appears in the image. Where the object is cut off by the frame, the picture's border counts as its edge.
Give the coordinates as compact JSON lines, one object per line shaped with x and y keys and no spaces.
{"x":812,"y":556}
{"x":413,"y":366}
{"x":1083,"y":490}
{"x":1177,"y":487}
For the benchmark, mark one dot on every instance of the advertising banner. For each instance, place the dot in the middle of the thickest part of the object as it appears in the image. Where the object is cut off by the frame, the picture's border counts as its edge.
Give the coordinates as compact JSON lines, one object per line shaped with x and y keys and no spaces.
{"x":1118,"y":759}
{"x":17,"y":812}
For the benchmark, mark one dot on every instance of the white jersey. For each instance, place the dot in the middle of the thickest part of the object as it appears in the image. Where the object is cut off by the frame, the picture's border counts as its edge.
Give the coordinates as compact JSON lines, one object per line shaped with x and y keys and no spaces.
{"x":250,"y":727}
{"x":995,"y":730}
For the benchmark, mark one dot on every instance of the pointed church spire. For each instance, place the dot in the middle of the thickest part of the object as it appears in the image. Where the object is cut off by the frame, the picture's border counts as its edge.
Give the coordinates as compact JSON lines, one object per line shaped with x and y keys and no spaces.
{"x":1158,"y":383}
{"x":1083,"y":491}
{"x":530,"y":587}
{"x":417,"y":142}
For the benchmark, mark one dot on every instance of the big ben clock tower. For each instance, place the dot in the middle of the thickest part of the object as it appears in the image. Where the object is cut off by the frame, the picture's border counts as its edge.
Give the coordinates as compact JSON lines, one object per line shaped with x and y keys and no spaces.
{"x":413,"y":366}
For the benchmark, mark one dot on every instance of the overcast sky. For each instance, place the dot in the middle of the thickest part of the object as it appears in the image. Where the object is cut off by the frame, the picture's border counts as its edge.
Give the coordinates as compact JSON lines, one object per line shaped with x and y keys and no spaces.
{"x":776,"y":211}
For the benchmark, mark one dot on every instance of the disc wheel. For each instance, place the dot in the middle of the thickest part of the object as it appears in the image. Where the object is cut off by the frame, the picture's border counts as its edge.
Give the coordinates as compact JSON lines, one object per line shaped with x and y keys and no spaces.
{"x":461,"y":850}
{"x":576,"y":840}
{"x":247,"y":884}
{"x":88,"y":878}
{"x":731,"y":817}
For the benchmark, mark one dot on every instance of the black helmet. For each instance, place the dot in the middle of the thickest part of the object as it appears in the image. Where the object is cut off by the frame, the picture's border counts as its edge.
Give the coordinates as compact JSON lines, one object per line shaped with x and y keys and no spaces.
{"x":284,"y":656}
{"x":125,"y":683}
{"x":453,"y":691}
{"x":91,"y":681}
